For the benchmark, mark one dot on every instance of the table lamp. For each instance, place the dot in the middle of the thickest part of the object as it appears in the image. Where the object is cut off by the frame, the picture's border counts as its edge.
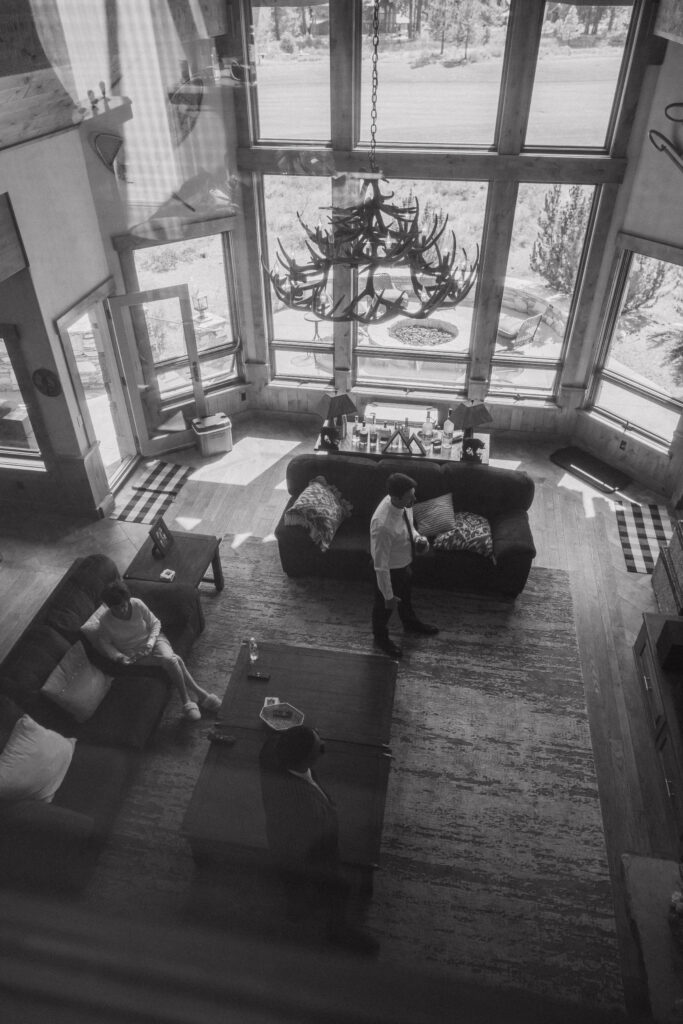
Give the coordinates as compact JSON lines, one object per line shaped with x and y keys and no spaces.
{"x":332,"y":408}
{"x":466,"y":417}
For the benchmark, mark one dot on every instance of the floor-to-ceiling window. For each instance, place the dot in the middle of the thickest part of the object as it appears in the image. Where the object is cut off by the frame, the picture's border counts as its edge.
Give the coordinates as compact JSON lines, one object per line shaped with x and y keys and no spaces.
{"x":639,"y":383}
{"x":504,"y":118}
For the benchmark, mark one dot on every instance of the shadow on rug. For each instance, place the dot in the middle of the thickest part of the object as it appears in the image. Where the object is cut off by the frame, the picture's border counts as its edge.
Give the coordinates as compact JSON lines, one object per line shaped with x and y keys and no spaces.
{"x":494,"y":867}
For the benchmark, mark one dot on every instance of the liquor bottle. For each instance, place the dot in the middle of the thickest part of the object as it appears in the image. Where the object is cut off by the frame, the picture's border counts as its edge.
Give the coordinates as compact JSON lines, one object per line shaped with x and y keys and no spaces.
{"x":396,"y":443}
{"x":384,"y":434}
{"x":428,"y":428}
{"x":436,"y":440}
{"x":363,"y":435}
{"x":373,"y":432}
{"x":253,"y":651}
{"x":448,"y":431}
{"x":355,"y":432}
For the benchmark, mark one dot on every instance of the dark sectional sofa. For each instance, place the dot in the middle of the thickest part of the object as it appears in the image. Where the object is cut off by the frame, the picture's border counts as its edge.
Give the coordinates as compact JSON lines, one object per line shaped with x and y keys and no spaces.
{"x":502,"y":496}
{"x":56,"y":844}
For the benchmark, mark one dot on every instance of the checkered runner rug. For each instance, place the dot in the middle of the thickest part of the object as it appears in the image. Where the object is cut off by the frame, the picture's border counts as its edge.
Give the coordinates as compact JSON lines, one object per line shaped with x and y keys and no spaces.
{"x":150,"y":496}
{"x":643,"y":529}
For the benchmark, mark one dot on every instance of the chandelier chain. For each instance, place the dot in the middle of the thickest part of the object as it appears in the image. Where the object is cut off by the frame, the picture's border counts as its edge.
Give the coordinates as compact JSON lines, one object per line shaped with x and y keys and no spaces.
{"x":375,"y":83}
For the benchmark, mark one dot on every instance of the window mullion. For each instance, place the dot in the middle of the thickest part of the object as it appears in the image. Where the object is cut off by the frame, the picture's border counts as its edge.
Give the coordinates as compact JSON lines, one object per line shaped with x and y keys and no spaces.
{"x":500,"y":215}
{"x":523,"y":42}
{"x":345,"y":44}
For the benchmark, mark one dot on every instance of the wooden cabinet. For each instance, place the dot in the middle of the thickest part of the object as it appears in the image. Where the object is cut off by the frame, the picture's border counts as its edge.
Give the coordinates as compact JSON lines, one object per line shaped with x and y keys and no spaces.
{"x":667,"y":578}
{"x":662,"y":691}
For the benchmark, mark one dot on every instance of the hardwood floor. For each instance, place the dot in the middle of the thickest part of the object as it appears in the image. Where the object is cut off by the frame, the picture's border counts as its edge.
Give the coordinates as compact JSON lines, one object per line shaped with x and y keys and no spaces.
{"x":574,"y":529}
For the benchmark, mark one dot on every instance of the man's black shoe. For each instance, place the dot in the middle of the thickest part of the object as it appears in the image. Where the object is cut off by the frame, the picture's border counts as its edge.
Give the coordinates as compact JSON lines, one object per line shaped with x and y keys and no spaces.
{"x":421,"y":627}
{"x":388,"y":646}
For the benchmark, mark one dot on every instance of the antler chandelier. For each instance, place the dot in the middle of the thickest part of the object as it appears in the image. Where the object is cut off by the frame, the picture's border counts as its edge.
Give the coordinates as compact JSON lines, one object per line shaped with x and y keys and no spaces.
{"x":370,"y":238}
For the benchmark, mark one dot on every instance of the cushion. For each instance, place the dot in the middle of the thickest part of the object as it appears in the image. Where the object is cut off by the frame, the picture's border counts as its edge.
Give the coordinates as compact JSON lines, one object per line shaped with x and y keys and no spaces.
{"x":91,"y":625}
{"x":10,"y":713}
{"x":434,"y":516}
{"x":77,"y":685}
{"x":34,"y":762}
{"x":71,"y":607}
{"x":320,"y":509}
{"x":471,"y":533}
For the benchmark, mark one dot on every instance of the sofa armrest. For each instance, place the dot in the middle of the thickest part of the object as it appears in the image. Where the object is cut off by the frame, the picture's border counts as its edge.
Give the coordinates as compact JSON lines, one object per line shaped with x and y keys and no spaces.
{"x":177,"y":605}
{"x":511,"y":534}
{"x":513,"y":550}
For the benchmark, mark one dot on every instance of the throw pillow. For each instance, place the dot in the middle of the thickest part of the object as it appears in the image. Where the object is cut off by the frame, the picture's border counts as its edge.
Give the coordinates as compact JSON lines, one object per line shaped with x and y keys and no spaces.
{"x":77,"y":685}
{"x":471,"y":533}
{"x":320,"y":509}
{"x":10,"y":714}
{"x":34,"y":762}
{"x":434,"y":516}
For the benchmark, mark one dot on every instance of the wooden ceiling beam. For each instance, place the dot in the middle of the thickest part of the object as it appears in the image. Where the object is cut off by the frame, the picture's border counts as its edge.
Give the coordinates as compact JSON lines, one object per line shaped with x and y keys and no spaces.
{"x":578,"y":168}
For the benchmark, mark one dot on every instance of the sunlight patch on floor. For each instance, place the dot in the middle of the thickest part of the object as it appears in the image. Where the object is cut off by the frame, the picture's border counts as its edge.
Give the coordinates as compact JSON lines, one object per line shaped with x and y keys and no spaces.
{"x":505,"y":463}
{"x":588,"y":493}
{"x":239,"y":539}
{"x":249,"y":457}
{"x":188,"y":523}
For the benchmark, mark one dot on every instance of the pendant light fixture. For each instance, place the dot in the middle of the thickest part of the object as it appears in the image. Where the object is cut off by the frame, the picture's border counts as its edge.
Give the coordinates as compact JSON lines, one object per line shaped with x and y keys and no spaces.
{"x":371,"y":238}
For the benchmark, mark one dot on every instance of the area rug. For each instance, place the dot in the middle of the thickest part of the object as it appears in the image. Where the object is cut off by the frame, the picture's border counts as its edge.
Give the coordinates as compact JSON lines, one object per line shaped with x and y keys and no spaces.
{"x":494,"y":867}
{"x":590,"y":469}
{"x":150,"y":492}
{"x":643,"y":529}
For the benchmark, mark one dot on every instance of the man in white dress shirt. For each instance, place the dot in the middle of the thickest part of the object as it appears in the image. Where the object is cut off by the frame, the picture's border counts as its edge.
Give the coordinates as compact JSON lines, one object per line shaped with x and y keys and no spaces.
{"x":393,"y":541}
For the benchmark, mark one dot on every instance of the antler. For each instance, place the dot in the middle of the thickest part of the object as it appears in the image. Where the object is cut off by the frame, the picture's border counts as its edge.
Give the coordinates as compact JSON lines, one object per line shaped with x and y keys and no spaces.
{"x":372,"y":235}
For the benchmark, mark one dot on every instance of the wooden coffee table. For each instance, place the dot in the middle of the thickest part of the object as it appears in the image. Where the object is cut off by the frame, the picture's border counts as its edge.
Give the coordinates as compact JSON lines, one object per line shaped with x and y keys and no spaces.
{"x":189,"y":556}
{"x":348,"y":698}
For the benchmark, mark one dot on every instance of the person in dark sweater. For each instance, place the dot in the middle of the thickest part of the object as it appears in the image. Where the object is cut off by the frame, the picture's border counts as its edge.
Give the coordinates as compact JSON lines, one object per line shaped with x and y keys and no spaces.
{"x":303,"y":834}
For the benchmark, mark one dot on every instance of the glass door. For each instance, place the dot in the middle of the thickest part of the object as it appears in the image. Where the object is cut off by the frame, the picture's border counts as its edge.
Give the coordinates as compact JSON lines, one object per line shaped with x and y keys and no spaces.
{"x":89,"y":352}
{"x":161,"y":365}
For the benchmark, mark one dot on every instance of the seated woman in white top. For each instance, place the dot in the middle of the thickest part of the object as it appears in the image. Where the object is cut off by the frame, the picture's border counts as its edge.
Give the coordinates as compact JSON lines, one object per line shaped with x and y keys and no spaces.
{"x":129,"y":633}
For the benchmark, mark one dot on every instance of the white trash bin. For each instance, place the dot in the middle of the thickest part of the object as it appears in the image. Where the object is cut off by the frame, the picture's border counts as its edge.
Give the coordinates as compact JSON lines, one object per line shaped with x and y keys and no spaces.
{"x":213,"y":433}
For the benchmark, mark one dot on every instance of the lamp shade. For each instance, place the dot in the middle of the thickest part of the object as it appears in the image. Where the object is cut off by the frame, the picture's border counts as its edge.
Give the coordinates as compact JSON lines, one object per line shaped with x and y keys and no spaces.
{"x":469,"y":415}
{"x":331,"y":407}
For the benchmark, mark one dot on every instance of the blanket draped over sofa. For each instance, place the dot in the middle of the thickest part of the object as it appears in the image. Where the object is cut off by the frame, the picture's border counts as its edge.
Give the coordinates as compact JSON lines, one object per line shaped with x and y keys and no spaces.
{"x":55,"y":844}
{"x":501,"y":496}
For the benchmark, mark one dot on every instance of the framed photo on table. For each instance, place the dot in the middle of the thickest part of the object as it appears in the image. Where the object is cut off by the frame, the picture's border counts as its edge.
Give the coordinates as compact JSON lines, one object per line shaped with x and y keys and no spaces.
{"x":161,"y":537}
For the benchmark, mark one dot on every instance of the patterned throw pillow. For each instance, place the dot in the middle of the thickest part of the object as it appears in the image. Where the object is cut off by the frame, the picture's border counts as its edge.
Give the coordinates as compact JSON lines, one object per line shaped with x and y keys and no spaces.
{"x":320,"y":509}
{"x":434,"y":516}
{"x":471,"y":533}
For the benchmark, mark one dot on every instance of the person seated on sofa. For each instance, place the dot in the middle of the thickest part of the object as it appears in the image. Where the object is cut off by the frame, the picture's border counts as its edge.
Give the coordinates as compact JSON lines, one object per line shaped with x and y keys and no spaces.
{"x":303,"y":834}
{"x":129,"y":633}
{"x":393,"y":539}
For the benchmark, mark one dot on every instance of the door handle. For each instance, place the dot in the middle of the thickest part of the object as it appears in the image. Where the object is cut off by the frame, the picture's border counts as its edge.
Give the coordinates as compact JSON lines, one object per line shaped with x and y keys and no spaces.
{"x":669,"y":788}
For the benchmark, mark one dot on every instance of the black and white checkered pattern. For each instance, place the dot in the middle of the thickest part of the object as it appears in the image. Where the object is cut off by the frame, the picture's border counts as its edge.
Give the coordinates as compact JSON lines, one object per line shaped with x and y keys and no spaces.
{"x":643,"y":529}
{"x":152,"y":495}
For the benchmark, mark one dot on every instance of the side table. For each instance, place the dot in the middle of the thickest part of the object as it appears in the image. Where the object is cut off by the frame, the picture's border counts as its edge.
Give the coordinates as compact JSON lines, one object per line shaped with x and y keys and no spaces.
{"x":189,"y":556}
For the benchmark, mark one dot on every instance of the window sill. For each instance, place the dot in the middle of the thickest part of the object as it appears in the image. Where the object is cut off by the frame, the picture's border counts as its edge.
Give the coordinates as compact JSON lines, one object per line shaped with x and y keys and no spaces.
{"x":24,"y":464}
{"x":656,"y":447}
